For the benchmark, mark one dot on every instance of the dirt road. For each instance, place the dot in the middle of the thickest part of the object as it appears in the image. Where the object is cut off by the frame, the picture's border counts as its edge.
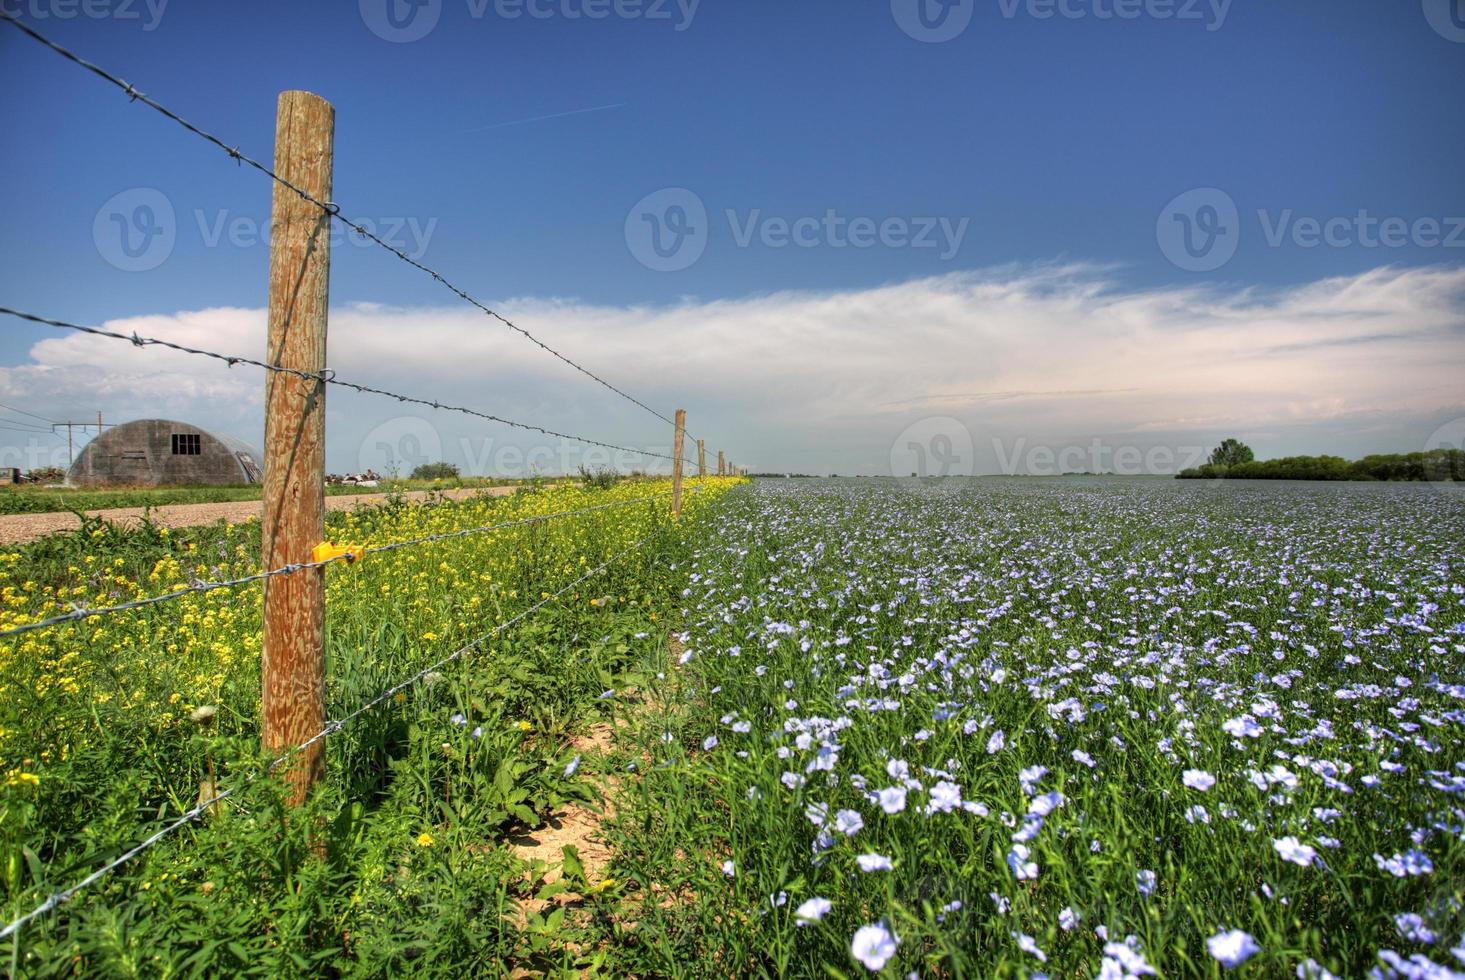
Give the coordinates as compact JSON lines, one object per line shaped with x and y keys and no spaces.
{"x":22,"y":528}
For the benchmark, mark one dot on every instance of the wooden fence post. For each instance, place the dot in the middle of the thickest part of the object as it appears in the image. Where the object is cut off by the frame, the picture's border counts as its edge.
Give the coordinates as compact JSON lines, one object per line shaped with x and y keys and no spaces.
{"x":292,"y":692}
{"x":676,"y":466}
{"x":721,"y":467}
{"x":701,"y":458}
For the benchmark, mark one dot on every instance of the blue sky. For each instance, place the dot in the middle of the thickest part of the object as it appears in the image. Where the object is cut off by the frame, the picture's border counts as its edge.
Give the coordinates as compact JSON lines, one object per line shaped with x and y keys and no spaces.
{"x":1022,"y":142}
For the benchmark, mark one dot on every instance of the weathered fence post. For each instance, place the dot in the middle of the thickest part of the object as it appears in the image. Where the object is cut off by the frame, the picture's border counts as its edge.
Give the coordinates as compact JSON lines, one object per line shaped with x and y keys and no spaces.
{"x":292,"y":692}
{"x":676,"y":466}
{"x":721,"y":466}
{"x":701,"y":458}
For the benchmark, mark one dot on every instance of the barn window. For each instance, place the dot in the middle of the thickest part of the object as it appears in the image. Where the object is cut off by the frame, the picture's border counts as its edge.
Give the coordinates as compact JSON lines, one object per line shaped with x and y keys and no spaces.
{"x":186,"y":444}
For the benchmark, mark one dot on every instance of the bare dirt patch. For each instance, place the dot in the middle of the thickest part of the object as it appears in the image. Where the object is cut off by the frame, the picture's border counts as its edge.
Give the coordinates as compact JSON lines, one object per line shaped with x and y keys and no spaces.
{"x":24,"y":528}
{"x":577,"y":825}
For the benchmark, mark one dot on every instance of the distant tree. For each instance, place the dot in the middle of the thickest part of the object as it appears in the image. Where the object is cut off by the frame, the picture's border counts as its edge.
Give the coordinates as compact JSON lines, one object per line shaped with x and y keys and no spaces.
{"x":1231,"y":452}
{"x":435,"y":471}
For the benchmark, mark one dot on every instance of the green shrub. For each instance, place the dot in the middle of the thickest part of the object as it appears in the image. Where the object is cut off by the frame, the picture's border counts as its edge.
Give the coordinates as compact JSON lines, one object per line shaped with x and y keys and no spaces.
{"x":436,"y":471}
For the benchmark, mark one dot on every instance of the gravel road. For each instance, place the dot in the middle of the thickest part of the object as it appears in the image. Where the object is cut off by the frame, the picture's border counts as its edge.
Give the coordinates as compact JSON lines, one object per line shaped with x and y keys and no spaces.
{"x":23,"y":528}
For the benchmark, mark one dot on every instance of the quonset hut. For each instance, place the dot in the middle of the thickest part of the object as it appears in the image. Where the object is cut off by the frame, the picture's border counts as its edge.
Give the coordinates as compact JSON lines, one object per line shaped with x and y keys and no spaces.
{"x":161,"y":452}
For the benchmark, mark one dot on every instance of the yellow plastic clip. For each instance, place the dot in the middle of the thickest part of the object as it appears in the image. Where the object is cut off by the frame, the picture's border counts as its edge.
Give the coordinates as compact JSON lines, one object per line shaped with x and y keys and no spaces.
{"x":325,"y":551}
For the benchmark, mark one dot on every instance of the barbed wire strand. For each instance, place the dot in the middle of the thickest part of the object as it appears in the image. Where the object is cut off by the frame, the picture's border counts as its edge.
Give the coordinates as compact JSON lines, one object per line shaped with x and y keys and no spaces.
{"x":59,"y":898}
{"x":329,"y":207}
{"x":326,"y":377}
{"x":81,"y":613}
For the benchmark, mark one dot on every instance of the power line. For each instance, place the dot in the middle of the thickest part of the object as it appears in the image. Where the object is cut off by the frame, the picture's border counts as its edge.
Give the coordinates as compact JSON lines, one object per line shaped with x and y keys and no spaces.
{"x":67,"y":894}
{"x":327,"y":377}
{"x":12,"y":408}
{"x":329,"y":207}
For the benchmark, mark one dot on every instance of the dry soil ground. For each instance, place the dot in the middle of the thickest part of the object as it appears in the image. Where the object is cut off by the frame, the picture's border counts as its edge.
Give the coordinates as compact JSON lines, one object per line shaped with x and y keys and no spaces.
{"x":22,"y":528}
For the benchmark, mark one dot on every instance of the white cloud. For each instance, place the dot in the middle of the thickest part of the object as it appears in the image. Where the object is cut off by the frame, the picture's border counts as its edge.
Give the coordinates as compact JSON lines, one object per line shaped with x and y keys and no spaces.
{"x":1052,"y":355}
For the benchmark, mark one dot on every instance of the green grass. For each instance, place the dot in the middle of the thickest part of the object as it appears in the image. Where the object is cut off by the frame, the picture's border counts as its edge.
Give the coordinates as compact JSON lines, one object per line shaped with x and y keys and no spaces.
{"x":1037,"y":663}
{"x":399,"y":861}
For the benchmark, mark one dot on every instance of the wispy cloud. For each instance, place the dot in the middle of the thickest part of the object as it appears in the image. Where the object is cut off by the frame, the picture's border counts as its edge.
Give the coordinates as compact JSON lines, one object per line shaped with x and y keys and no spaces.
{"x":994,"y":396}
{"x":1052,"y":354}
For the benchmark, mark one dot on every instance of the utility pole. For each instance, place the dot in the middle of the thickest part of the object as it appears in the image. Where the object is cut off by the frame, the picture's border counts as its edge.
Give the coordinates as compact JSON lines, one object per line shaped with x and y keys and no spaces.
{"x":68,"y":426}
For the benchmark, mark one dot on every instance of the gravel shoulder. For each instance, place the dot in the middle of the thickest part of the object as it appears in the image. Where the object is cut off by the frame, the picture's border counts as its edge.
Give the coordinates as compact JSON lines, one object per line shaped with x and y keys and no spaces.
{"x":24,"y":528}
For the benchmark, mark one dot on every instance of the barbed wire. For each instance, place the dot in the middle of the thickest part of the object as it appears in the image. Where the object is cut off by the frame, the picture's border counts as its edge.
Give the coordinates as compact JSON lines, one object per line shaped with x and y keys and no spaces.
{"x":324,"y":377}
{"x":81,"y":613}
{"x":58,"y":898}
{"x":328,"y":207}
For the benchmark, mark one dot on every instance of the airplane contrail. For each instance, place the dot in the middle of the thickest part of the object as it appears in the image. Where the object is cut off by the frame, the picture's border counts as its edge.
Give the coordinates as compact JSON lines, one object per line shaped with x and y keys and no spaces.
{"x":552,"y":115}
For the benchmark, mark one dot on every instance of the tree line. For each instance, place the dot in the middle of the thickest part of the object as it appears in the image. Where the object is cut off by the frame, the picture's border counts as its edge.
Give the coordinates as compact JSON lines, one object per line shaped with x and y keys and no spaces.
{"x":1233,"y":460}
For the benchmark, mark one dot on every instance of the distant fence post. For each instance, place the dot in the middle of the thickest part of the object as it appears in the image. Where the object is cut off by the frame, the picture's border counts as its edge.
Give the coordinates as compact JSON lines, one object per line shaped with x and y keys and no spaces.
{"x":292,"y":692}
{"x":678,"y":439}
{"x":701,"y":457}
{"x":721,"y":466}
